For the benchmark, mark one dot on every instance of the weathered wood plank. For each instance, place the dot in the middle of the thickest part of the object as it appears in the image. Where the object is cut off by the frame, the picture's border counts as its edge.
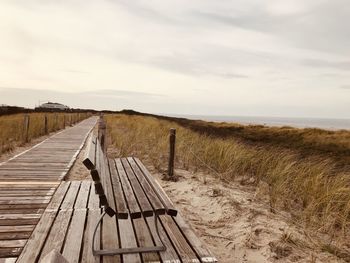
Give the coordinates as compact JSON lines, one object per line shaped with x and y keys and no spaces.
{"x":144,"y":239}
{"x":92,"y":218}
{"x":83,"y":195}
{"x":15,"y":235}
{"x":23,"y":202}
{"x":31,"y":210}
{"x":19,"y":219}
{"x":182,"y":247}
{"x":23,"y":206}
{"x":69,"y":200}
{"x":94,"y":202}
{"x":128,"y":239}
{"x":8,"y":260}
{"x":58,"y":196}
{"x":169,"y":255}
{"x":145,"y":206}
{"x":110,"y":238}
{"x":10,"y":252}
{"x":122,"y":210}
{"x":135,"y":211}
{"x":13,"y":243}
{"x":152,"y":196}
{"x":158,"y":189}
{"x":26,"y":193}
{"x":72,"y":247}
{"x":204,"y":254}
{"x":7,"y":229}
{"x":58,"y":232}
{"x":32,"y":249}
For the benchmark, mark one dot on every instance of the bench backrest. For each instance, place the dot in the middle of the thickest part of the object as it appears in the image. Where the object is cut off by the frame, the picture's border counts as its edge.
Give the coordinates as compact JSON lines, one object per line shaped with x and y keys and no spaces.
{"x":96,"y":161}
{"x":136,"y":191}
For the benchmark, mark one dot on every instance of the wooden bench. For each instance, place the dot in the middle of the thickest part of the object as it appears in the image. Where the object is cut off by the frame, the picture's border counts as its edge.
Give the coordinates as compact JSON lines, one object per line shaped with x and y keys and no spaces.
{"x":136,"y":193}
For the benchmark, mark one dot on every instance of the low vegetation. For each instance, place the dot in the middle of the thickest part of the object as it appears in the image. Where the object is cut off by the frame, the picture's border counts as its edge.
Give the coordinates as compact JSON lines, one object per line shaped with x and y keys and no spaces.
{"x":14,"y":132}
{"x":306,"y":170}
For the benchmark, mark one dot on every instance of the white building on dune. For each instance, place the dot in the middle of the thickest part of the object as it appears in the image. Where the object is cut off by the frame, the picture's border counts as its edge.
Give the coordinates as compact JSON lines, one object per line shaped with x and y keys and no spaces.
{"x":53,"y":106}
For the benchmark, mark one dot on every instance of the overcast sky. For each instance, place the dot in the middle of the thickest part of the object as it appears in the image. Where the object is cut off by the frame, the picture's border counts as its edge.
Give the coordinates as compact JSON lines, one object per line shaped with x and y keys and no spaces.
{"x":238,"y":57}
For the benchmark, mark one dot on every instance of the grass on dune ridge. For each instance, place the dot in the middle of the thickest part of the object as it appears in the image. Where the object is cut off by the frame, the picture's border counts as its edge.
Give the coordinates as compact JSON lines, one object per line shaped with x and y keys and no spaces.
{"x":12,"y":130}
{"x":313,"y":187}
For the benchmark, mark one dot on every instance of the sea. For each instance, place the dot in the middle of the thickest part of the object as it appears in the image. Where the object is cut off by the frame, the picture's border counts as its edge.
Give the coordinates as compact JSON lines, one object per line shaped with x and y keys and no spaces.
{"x":322,"y":123}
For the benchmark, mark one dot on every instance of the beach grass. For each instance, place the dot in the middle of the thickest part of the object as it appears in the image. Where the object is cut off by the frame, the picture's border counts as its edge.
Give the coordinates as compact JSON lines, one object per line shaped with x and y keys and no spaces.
{"x":13,"y":129}
{"x":306,"y":170}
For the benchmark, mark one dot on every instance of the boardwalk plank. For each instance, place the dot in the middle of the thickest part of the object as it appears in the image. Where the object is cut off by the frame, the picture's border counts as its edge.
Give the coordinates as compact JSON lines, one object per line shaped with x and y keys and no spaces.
{"x":32,"y":249}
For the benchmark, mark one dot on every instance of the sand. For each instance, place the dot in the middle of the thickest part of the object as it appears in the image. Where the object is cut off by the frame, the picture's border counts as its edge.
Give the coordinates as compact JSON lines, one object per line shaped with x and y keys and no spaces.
{"x":236,"y":223}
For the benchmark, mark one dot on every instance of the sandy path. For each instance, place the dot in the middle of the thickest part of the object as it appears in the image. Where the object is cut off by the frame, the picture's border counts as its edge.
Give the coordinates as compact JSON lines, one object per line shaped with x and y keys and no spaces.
{"x":236,"y":224}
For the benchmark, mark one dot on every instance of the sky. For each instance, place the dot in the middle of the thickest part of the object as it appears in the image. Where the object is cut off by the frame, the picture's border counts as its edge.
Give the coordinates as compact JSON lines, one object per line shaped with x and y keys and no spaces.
{"x":288,"y":58}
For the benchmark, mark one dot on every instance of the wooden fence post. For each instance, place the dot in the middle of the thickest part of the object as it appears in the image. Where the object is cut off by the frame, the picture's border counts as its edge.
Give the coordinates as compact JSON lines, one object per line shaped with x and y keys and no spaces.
{"x":56,"y":122}
{"x":172,"y":139}
{"x":26,"y":128}
{"x":64,"y":120}
{"x":46,"y":127}
{"x":102,"y":133}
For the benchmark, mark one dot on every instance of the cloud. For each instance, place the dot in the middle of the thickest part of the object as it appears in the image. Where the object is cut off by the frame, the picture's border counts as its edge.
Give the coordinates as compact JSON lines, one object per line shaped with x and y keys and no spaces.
{"x":98,"y":99}
{"x":120,"y":93}
{"x":343,"y":65}
{"x":74,"y":71}
{"x":345,"y":87}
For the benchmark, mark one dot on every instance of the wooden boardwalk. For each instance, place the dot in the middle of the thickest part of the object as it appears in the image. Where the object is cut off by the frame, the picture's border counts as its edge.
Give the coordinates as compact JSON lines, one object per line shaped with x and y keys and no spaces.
{"x":68,"y":223}
{"x":28,"y":182}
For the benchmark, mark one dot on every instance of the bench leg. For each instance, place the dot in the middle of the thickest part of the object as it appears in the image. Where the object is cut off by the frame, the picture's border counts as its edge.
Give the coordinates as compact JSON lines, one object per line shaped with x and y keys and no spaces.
{"x":118,"y":251}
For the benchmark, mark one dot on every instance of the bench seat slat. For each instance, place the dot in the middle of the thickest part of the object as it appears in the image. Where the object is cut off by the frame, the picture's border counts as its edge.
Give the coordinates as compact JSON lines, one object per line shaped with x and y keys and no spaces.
{"x":152,"y":196}
{"x":146,"y":208}
{"x":170,"y":209}
{"x":122,"y":210}
{"x":135,"y":211}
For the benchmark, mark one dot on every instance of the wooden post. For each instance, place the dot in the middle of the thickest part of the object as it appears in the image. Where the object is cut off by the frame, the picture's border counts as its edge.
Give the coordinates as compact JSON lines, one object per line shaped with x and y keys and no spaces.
{"x":26,"y":128}
{"x":56,"y":122}
{"x":46,"y":128}
{"x":102,"y":133}
{"x":172,"y":139}
{"x":64,"y":120}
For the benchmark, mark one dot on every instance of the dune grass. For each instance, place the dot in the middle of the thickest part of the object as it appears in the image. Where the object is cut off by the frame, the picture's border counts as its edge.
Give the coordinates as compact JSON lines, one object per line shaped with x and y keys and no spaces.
{"x":315,"y":188}
{"x":13,"y":131}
